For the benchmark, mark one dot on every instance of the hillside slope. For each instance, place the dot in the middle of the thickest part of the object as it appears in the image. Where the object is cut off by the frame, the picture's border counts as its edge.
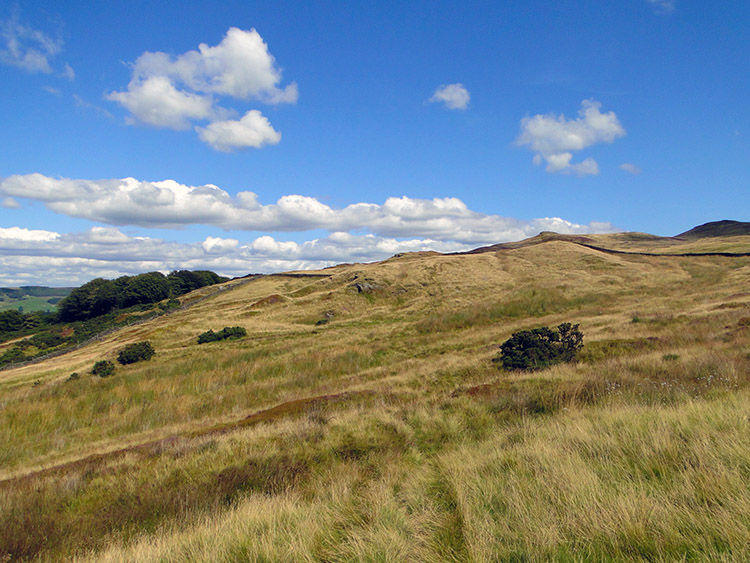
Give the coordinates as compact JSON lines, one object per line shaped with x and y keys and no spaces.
{"x":351,"y":421}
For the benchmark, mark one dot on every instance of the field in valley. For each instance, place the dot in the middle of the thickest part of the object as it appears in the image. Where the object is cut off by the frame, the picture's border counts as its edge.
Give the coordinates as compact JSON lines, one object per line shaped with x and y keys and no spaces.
{"x":362,"y":418}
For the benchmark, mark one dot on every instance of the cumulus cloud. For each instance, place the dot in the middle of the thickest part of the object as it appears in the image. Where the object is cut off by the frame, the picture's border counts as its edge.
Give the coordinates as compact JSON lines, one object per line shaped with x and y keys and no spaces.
{"x":454,"y":96}
{"x":10,"y":203}
{"x":26,"y":235}
{"x":29,"y":257}
{"x":630,"y":168}
{"x":167,"y":203}
{"x":553,"y":137}
{"x":27,"y":48}
{"x":663,"y":6}
{"x":176,"y":92}
{"x":253,"y":130}
{"x":155,"y":101}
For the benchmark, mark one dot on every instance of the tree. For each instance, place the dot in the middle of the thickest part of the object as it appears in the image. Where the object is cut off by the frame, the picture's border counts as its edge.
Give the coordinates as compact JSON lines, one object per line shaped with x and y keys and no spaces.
{"x":146,"y":288}
{"x":10,"y":321}
{"x":541,"y":347}
{"x":90,"y":300}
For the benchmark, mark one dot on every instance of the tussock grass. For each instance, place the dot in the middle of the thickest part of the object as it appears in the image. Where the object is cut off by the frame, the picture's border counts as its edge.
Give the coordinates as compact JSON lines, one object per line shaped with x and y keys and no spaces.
{"x":593,"y":485}
{"x":387,"y":434}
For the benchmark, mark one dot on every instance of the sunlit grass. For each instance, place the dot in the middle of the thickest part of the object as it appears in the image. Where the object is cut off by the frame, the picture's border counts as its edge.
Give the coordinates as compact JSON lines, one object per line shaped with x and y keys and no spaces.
{"x":387,"y":433}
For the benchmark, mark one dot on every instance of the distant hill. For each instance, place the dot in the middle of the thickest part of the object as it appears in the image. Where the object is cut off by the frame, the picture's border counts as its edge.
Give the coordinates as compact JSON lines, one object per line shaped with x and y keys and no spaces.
{"x":32,"y":297}
{"x":724,"y":228}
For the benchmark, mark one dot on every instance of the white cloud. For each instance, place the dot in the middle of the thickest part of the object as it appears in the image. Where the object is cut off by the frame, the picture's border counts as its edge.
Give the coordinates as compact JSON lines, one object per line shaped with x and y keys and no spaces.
{"x":26,"y":235}
{"x":168,"y":204}
{"x":218,"y":245}
{"x":631,"y":168}
{"x":663,"y":6}
{"x":253,"y":130}
{"x":155,"y":101}
{"x":552,"y":137}
{"x":10,"y":203}
{"x":47,"y":258}
{"x":27,"y":48}
{"x":176,"y":92}
{"x":454,"y":96}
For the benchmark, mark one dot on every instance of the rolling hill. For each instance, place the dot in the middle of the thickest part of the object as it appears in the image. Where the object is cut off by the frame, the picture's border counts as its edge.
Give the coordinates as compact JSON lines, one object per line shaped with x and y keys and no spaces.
{"x":362,"y":417}
{"x":32,"y":298}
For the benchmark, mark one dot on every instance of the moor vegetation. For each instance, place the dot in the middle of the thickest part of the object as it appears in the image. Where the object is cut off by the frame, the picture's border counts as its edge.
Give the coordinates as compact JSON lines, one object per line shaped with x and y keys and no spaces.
{"x":387,"y":433}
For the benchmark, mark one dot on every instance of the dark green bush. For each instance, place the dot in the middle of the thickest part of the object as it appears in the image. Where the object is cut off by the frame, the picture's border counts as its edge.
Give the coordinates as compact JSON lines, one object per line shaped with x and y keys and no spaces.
{"x":228,"y":332}
{"x":103,"y":368}
{"x":137,"y":352}
{"x":232,"y":332}
{"x":208,"y":336}
{"x":541,"y":347}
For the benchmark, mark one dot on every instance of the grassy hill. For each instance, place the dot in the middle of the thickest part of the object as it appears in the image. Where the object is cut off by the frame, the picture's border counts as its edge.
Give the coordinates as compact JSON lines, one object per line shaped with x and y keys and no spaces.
{"x":362,"y":418}
{"x":717,"y":229}
{"x":32,"y":298}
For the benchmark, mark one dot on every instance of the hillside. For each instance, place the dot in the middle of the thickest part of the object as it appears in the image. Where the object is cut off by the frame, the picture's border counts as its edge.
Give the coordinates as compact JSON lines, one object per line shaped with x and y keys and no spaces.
{"x":362,"y":417}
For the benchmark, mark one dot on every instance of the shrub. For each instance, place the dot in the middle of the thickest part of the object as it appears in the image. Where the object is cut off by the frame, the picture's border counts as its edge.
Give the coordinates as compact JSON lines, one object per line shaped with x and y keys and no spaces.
{"x":232,"y":332}
{"x":228,"y":332}
{"x":541,"y":347}
{"x":139,"y":351}
{"x":103,"y":368}
{"x":208,"y":336}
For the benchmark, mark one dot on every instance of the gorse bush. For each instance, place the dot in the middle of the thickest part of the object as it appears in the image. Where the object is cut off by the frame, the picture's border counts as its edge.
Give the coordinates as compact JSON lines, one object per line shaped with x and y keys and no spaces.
{"x":103,"y":368}
{"x":228,"y":332}
{"x":137,"y":352}
{"x":541,"y":347}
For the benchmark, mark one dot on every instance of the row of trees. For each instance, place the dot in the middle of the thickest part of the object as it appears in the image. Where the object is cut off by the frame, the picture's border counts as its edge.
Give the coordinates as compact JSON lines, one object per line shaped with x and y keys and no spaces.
{"x":99,"y":297}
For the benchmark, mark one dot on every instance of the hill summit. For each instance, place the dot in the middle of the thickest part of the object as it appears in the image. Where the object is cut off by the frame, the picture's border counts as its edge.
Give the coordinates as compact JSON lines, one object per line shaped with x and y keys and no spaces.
{"x":725,"y":228}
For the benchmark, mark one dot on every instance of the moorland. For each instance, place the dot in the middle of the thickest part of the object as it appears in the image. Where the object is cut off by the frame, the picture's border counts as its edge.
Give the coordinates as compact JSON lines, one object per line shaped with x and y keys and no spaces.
{"x":362,"y":418}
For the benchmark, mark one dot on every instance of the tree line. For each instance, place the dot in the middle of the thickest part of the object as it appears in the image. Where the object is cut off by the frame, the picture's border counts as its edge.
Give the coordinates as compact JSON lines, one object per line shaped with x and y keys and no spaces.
{"x":100,"y":296}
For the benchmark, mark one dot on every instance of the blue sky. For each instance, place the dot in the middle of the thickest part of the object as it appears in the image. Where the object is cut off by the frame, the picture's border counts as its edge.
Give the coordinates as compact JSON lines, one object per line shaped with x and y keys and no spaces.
{"x":248,"y":137}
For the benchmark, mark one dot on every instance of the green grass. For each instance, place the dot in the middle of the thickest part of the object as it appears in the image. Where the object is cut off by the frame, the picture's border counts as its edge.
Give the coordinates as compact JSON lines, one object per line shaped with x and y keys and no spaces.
{"x":29,"y":304}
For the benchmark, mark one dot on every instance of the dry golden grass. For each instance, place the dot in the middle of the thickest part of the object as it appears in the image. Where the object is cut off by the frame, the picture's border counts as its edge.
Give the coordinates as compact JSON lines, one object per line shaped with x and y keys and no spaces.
{"x":399,"y":463}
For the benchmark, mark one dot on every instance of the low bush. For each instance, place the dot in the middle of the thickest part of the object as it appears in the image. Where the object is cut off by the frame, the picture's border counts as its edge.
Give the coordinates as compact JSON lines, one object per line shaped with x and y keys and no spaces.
{"x":541,"y":347}
{"x":137,"y":352}
{"x":103,"y":368}
{"x":170,"y":305}
{"x":228,"y":332}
